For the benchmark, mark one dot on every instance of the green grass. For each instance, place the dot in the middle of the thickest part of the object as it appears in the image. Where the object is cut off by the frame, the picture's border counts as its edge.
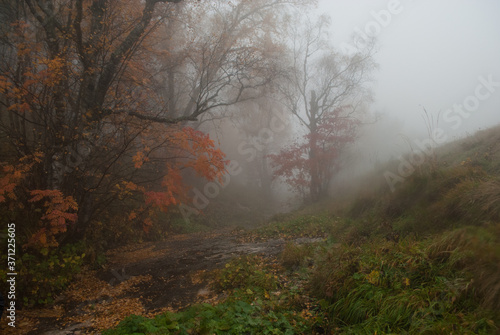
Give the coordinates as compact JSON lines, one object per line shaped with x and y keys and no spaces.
{"x":236,"y":317}
{"x":411,"y":286}
{"x":259,"y":301}
{"x":296,"y":226}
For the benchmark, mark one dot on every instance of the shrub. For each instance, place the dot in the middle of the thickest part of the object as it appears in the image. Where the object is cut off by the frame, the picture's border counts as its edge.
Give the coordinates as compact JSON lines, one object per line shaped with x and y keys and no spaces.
{"x":300,"y":226}
{"x":41,"y":277}
{"x":294,"y":255}
{"x":245,"y":271}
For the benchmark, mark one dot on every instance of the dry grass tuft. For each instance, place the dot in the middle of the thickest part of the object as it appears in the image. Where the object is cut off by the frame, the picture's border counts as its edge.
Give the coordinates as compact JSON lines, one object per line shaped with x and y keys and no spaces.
{"x":488,"y":195}
{"x":477,"y":251}
{"x":294,"y":255}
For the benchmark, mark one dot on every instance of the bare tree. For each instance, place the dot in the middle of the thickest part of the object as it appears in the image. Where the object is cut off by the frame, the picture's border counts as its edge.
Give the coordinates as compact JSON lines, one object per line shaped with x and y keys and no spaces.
{"x":323,"y":91}
{"x":230,"y":53}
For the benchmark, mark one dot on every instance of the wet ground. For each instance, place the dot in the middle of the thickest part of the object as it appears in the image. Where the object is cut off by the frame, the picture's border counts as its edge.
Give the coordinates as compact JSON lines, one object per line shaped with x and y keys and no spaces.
{"x":145,"y":279}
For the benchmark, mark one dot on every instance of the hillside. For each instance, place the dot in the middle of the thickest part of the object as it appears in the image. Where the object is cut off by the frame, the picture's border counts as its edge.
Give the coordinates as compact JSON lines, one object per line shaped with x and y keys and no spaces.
{"x":422,"y":259}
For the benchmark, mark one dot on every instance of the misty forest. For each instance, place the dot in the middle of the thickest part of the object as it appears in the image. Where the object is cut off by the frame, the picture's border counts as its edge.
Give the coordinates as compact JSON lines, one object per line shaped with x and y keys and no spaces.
{"x":239,"y":167}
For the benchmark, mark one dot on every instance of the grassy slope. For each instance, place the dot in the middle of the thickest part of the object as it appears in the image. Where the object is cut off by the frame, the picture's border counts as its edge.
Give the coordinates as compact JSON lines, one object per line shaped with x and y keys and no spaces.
{"x":423,"y":259}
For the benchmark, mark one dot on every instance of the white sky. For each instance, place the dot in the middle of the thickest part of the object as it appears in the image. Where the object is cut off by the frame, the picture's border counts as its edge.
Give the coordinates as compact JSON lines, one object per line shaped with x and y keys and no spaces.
{"x":431,"y":54}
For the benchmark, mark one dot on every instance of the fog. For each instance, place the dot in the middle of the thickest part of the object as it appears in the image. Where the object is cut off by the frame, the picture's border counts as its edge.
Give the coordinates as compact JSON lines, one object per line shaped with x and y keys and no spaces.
{"x":438,"y":62}
{"x":430,"y":55}
{"x":258,"y":76}
{"x":437,"y":67}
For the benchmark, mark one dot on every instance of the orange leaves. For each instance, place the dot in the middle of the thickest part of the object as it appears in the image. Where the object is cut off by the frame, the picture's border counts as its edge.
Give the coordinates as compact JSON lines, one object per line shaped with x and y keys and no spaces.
{"x":5,"y":85}
{"x":132,"y":216}
{"x":58,"y":214}
{"x":13,"y":175}
{"x":45,"y":72}
{"x":140,"y":158}
{"x":174,"y":189}
{"x":58,"y":210}
{"x":128,"y":188}
{"x":52,"y":72}
{"x":192,"y":148}
{"x":182,"y":148}
{"x":21,"y":107}
{"x":160,"y":200}
{"x":9,"y":182}
{"x":147,"y":224}
{"x":37,"y":78}
{"x":207,"y":161}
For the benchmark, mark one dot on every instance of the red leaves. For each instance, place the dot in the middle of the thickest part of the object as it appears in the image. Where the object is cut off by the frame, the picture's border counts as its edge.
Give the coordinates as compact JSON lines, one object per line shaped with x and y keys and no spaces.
{"x":58,"y":214}
{"x":311,"y":163}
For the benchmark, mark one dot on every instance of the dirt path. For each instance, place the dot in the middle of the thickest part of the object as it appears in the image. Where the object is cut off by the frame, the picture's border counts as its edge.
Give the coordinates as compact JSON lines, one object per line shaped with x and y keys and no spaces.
{"x":177,"y":260}
{"x":145,"y":279}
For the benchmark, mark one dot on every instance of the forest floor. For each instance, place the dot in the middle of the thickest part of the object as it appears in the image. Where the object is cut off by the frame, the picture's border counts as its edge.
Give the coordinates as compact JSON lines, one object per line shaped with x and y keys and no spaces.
{"x":144,"y":279}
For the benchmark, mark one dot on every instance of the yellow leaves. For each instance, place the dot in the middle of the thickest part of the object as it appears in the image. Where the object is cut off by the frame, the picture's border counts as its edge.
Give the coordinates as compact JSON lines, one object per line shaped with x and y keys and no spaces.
{"x":139,"y":159}
{"x":407,"y":281}
{"x":373,"y":277}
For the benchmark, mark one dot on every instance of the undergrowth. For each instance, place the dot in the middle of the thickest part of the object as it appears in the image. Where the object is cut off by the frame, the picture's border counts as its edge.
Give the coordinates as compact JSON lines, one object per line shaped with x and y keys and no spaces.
{"x":260,"y":301}
{"x":445,"y":284}
{"x":42,"y":277}
{"x":292,"y":227}
{"x":448,"y":283}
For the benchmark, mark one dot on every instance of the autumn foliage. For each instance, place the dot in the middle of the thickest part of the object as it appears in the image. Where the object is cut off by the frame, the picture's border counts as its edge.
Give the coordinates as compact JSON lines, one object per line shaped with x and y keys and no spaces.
{"x":309,"y":164}
{"x":100,"y":110}
{"x":85,"y":136}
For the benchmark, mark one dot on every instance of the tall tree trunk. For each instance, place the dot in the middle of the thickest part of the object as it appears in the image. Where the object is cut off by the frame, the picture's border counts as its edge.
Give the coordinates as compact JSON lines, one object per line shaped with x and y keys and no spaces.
{"x":315,"y":183}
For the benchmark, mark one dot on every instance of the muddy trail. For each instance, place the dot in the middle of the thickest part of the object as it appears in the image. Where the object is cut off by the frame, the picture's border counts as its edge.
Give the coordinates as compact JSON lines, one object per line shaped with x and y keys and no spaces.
{"x":144,"y":279}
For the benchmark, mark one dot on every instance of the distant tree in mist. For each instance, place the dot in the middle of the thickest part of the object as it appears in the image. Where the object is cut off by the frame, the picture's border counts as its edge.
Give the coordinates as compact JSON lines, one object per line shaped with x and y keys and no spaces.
{"x":324,"y":91}
{"x":264,"y":127}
